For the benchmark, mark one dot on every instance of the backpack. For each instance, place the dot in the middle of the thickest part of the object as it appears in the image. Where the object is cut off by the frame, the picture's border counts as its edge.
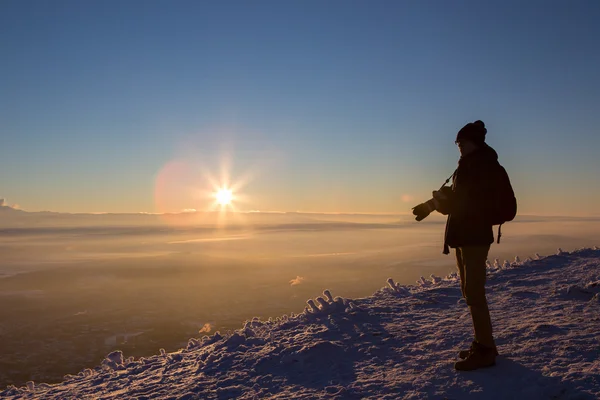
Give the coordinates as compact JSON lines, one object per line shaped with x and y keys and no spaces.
{"x":504,"y":202}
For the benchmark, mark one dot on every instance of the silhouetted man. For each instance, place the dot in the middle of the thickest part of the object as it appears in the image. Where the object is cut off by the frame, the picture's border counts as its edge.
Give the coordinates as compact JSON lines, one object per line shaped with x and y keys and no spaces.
{"x":469,"y":232}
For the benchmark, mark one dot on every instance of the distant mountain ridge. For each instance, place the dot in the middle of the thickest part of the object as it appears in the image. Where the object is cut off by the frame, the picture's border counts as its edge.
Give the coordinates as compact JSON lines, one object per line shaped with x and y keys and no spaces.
{"x":7,"y":209}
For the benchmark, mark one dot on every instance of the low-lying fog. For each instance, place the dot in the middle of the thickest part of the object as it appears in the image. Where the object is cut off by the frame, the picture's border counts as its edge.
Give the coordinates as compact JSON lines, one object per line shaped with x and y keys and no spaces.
{"x":74,"y":288}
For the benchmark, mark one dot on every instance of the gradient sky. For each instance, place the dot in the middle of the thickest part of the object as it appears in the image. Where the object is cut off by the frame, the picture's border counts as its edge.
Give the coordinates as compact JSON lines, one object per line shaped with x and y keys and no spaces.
{"x":337,"y":106}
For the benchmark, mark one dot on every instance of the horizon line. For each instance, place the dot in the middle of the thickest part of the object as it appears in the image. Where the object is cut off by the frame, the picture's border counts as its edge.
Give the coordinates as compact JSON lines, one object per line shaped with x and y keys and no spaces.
{"x":276,"y":212}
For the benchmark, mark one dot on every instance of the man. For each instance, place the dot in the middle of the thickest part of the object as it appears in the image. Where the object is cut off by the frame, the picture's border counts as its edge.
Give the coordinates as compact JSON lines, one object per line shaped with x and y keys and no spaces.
{"x":469,"y":232}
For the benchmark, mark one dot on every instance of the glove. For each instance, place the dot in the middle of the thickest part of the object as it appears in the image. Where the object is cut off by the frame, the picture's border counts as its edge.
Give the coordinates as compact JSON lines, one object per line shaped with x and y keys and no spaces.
{"x":443,"y":194}
{"x":423,"y":210}
{"x":439,"y":195}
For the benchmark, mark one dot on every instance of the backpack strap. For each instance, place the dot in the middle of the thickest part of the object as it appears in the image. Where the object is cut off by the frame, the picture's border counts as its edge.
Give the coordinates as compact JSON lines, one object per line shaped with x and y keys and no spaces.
{"x":499,"y":233}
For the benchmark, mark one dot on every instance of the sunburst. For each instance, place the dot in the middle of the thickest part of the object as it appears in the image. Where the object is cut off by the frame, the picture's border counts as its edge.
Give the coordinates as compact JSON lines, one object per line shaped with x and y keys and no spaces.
{"x":224,"y":197}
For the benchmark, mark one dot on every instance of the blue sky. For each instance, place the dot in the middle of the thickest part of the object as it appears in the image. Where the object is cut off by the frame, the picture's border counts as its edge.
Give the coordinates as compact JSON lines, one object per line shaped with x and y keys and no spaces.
{"x":347,"y":106}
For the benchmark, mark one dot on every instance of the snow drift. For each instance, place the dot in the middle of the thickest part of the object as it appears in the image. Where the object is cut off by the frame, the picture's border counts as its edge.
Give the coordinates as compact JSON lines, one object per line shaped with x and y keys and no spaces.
{"x":401,"y":342}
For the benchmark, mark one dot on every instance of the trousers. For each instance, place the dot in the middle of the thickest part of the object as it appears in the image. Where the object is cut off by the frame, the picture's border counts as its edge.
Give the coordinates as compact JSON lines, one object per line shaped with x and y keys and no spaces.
{"x":471,"y":262}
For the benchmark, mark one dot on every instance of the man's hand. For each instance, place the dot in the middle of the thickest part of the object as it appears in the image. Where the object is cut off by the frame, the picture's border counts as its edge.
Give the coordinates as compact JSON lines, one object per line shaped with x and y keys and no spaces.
{"x":423,"y":210}
{"x":442,"y":199}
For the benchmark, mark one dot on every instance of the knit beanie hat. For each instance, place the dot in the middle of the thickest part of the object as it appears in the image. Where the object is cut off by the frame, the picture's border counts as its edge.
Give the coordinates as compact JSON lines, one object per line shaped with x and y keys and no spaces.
{"x":473,"y":131}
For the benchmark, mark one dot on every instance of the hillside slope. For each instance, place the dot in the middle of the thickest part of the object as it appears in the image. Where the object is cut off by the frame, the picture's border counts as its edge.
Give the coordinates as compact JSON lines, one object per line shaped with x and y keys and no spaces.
{"x":401,"y":342}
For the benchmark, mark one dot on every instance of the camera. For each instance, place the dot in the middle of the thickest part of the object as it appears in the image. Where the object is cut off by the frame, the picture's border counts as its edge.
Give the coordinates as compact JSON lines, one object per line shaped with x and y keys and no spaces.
{"x":423,"y":210}
{"x":439,"y":202}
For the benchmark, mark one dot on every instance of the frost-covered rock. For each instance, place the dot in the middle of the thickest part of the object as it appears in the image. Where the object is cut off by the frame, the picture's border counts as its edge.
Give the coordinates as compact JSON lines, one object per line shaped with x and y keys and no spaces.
{"x":339,"y":301}
{"x":70,"y":377}
{"x":114,"y":360}
{"x":397,"y":288}
{"x":453,"y":276}
{"x":254,"y":323}
{"x":207,"y":340}
{"x":423,"y":282}
{"x":312,"y":307}
{"x":42,"y":387}
{"x":352,"y":307}
{"x":12,"y":390}
{"x":235,"y":340}
{"x":248,"y":332}
{"x":435,"y":280}
{"x":391,"y":284}
{"x":325,"y":306}
{"x":116,"y":356}
{"x":193,"y":344}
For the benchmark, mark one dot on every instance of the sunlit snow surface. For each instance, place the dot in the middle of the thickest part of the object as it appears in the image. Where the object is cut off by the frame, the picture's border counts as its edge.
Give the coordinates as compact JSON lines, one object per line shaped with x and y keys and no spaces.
{"x":401,"y":342}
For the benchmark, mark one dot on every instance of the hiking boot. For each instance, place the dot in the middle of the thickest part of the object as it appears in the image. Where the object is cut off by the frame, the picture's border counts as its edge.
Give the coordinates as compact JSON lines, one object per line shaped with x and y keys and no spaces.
{"x":480,"y":357}
{"x":465,"y":353}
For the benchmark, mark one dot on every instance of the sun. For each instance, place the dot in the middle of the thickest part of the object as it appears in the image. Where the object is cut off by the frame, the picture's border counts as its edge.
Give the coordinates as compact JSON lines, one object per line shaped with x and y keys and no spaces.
{"x":224,"y":197}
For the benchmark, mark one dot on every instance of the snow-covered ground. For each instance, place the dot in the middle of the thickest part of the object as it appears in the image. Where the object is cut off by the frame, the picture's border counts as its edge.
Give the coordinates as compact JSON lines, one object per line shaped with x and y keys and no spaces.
{"x":401,"y":342}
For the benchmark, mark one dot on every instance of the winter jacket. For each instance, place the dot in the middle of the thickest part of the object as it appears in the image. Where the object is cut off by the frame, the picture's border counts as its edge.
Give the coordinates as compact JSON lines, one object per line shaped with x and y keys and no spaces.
{"x":467,"y":204}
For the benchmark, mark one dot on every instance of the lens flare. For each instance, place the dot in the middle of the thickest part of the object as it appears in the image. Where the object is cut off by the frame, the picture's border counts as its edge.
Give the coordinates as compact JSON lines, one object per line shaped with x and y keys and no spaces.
{"x":200,"y":189}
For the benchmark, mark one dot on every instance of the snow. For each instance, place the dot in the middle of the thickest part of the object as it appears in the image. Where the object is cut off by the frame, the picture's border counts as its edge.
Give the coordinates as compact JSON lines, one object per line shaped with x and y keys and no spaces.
{"x":401,"y":342}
